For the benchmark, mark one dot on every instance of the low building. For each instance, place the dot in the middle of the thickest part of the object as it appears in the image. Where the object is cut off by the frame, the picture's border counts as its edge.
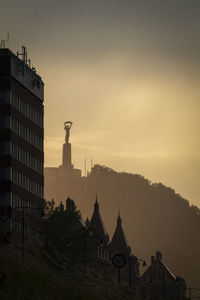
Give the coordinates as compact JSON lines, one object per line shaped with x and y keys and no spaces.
{"x":160,"y":283}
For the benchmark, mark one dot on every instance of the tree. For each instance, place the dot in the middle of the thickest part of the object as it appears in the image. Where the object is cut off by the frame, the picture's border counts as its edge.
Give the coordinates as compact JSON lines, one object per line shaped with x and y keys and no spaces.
{"x":61,"y":228}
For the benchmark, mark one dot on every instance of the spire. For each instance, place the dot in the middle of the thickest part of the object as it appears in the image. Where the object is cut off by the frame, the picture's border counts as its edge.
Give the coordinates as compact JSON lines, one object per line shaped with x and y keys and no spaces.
{"x":96,"y":198}
{"x":119,"y":220}
{"x":96,"y":205}
{"x":96,"y":223}
{"x":87,"y":222}
{"x":119,"y":242}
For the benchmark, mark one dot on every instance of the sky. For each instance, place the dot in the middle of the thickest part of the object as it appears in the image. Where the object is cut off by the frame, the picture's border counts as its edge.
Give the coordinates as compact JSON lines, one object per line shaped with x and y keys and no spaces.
{"x":126,"y":73}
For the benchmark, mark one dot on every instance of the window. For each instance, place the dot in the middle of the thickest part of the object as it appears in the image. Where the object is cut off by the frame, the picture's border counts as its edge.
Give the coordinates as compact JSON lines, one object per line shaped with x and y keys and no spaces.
{"x":25,"y":157}
{"x":26,"y":182}
{"x":25,"y":108}
{"x":24,"y":132}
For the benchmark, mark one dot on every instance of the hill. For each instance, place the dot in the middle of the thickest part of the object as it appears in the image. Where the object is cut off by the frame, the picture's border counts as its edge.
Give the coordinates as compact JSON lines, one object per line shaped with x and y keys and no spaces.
{"x":154,"y":216}
{"x":39,"y":281}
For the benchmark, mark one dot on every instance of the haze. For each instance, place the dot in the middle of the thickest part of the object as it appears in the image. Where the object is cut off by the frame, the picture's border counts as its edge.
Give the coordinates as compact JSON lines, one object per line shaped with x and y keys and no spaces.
{"x":127,"y":74}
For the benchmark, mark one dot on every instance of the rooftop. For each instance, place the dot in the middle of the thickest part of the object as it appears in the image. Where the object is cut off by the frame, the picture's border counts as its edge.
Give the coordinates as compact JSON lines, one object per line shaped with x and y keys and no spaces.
{"x":23,"y":62}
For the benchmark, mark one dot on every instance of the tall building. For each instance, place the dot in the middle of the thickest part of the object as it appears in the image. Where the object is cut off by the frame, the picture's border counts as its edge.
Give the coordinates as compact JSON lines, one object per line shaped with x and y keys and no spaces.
{"x":21,"y":149}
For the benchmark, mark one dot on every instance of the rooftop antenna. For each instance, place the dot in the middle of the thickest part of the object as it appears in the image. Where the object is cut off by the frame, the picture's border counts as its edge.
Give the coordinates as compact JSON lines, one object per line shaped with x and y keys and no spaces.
{"x":24,"y":57}
{"x":3,"y":42}
{"x":23,"y":54}
{"x":8,"y":39}
{"x":28,"y":63}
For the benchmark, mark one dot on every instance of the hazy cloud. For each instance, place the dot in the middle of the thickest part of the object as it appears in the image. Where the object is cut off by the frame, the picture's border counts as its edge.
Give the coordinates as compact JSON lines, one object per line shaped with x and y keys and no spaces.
{"x":126,"y":73}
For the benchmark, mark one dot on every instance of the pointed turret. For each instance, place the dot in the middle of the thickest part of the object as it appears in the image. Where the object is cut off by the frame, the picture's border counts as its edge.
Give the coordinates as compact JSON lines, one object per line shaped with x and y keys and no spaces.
{"x":96,"y":223}
{"x":87,"y":222}
{"x":119,"y":220}
{"x":119,"y":243}
{"x":96,"y":206}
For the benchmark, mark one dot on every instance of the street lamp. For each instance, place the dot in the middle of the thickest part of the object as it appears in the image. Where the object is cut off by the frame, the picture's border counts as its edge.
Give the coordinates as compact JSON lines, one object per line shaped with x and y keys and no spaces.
{"x":130,"y":267}
{"x":144,"y":262}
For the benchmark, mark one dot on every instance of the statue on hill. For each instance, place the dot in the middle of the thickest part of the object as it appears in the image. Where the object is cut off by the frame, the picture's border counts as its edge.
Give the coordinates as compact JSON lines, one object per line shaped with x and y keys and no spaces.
{"x":67,"y":127}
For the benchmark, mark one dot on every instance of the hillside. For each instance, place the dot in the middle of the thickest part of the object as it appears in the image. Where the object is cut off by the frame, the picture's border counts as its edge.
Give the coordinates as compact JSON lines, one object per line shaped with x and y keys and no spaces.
{"x":154,"y":216}
{"x":34,"y":281}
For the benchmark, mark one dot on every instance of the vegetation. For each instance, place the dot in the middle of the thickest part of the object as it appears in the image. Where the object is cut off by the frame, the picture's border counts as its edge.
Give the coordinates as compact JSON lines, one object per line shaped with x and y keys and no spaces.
{"x":33,"y":282}
{"x":64,"y":277}
{"x":154,"y":216}
{"x":64,"y":233}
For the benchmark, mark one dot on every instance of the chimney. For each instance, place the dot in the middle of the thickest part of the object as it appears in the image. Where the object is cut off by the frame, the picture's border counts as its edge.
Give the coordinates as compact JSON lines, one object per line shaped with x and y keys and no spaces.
{"x":70,"y":205}
{"x":158,"y":255}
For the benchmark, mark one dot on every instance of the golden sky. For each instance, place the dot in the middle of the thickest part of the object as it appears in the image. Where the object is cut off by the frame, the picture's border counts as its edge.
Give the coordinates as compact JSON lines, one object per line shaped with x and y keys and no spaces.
{"x":127,"y":74}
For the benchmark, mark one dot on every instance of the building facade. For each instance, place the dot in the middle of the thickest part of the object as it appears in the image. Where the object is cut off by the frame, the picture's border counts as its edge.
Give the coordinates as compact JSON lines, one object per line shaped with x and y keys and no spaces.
{"x":160,"y":283}
{"x":119,"y":245}
{"x":100,"y":235}
{"x":21,"y":150}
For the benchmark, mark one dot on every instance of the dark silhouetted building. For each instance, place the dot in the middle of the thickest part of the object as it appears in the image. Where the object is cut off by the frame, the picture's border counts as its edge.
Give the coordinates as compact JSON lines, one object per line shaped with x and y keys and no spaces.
{"x":99,"y":234}
{"x":161,"y":283}
{"x":21,"y":150}
{"x":119,"y":244}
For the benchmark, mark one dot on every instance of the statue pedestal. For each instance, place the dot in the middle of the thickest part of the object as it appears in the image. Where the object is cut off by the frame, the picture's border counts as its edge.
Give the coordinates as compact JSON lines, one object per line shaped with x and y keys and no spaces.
{"x":66,"y":159}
